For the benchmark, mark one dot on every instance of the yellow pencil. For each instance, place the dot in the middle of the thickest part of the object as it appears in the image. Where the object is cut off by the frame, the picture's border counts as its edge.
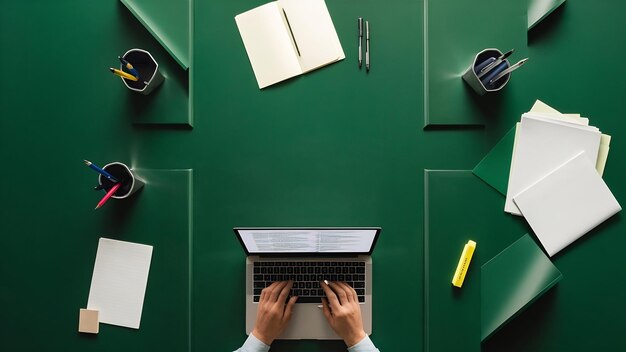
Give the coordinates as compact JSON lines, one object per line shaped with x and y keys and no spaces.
{"x":123,"y":74}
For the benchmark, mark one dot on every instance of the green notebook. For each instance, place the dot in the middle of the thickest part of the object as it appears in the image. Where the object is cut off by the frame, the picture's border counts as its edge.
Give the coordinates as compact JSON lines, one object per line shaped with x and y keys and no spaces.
{"x":496,"y":165}
{"x":454,"y":32}
{"x":459,"y":207}
{"x":158,"y":215}
{"x":513,"y":280}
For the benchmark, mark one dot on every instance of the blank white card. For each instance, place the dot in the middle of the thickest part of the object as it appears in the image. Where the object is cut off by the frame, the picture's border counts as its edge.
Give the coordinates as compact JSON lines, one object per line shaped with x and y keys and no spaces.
{"x":119,"y":280}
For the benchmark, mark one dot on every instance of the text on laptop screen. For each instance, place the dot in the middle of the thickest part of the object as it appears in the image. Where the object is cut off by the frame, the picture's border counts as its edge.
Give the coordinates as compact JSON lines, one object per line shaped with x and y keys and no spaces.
{"x":308,"y":240}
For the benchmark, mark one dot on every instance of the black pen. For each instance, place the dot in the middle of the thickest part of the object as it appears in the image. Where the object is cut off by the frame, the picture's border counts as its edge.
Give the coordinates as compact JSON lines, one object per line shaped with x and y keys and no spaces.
{"x":495,"y":63}
{"x":367,"y":46}
{"x":360,"y":24}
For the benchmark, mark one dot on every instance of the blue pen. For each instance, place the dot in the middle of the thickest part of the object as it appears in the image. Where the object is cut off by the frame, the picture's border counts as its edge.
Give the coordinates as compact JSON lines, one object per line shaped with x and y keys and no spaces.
{"x":483,"y":64}
{"x":130,"y":67}
{"x":494,"y":72}
{"x":104,"y":173}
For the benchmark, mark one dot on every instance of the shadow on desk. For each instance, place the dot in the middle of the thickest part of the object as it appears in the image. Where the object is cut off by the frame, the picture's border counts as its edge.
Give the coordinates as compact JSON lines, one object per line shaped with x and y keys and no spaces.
{"x":545,"y":29}
{"x":530,"y":327}
{"x":118,"y":212}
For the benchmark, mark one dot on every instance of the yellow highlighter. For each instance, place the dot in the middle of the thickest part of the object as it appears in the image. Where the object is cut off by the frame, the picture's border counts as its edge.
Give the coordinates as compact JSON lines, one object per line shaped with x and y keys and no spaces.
{"x":464,"y":262}
{"x":123,"y":74}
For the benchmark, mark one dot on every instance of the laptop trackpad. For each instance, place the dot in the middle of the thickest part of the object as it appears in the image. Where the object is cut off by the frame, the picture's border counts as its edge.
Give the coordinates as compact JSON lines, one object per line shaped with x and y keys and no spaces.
{"x":308,"y":322}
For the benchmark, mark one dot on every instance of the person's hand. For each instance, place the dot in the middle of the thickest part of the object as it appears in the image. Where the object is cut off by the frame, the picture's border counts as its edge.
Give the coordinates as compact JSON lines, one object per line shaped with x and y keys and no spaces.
{"x":273,"y":314}
{"x":341,"y":308}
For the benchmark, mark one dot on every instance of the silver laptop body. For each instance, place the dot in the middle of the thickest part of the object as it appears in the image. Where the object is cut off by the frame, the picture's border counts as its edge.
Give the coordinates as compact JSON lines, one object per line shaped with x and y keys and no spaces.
{"x":312,"y":245}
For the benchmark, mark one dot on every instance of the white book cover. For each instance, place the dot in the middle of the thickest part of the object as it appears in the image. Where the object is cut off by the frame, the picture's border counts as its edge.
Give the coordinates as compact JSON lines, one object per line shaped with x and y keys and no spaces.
{"x":287,"y":38}
{"x":118,"y":284}
{"x":567,"y":203}
{"x":543,"y":144}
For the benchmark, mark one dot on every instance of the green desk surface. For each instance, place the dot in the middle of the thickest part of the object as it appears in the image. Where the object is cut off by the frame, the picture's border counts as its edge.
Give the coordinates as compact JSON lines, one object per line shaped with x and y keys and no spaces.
{"x":452,"y":217}
{"x":335,"y":147}
{"x":454,"y":32}
{"x":55,"y":270}
{"x":68,"y":52}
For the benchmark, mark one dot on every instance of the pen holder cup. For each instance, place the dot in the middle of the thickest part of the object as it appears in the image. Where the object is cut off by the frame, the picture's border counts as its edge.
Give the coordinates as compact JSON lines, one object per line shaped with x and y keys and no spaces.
{"x":130,"y":182}
{"x":148,"y":69}
{"x":481,"y":85}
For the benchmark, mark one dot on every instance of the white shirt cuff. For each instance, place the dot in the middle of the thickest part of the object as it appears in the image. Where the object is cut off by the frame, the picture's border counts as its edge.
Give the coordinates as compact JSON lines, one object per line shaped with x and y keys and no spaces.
{"x":253,"y":344}
{"x":365,"y":345}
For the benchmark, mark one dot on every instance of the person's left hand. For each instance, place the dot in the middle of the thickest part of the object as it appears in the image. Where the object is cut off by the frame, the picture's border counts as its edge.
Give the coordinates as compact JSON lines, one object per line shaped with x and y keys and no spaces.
{"x":273,"y":314}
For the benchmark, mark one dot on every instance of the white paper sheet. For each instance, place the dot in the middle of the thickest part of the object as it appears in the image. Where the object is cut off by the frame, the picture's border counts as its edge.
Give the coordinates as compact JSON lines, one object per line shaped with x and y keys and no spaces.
{"x":605,"y":140}
{"x":567,"y":203}
{"x":541,"y":146}
{"x":119,"y":280}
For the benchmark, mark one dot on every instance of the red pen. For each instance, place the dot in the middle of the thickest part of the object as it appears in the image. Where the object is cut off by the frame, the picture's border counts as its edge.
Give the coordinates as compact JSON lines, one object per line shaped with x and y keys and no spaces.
{"x":109,"y":194}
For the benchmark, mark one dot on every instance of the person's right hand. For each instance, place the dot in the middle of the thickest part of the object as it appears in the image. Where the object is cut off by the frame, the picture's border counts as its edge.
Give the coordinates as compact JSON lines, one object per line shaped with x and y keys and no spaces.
{"x":342,"y":310}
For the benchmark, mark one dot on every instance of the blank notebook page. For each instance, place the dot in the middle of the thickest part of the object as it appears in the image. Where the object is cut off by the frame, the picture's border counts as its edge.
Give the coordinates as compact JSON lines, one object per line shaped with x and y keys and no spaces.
{"x":119,"y":280}
{"x":314,"y":33}
{"x":268,"y":44}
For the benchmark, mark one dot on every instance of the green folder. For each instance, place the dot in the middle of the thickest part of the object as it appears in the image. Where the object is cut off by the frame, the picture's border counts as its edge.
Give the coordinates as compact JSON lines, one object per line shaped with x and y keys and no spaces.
{"x":169,"y":21}
{"x":459,"y":207}
{"x":495,"y":166}
{"x":158,"y":215}
{"x":513,"y":280}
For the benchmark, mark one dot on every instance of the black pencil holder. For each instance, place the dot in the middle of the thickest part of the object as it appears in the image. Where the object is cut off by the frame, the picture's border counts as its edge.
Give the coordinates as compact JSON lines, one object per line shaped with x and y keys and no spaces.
{"x":148,"y":69}
{"x":471,"y":75}
{"x":130,"y":182}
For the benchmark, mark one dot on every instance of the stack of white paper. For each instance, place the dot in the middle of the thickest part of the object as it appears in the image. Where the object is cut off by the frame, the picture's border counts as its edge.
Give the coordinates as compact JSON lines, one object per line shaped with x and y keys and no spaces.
{"x":555,"y":179}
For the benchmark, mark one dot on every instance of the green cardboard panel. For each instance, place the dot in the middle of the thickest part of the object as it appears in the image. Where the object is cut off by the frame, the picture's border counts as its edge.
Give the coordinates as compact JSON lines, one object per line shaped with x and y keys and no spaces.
{"x":452,"y":217}
{"x":494,"y":168}
{"x":169,"y":21}
{"x":454,"y":32}
{"x":540,"y":9}
{"x":513,"y":280}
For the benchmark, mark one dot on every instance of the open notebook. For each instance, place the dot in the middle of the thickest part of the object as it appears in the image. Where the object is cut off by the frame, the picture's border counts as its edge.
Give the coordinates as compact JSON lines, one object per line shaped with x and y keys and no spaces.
{"x":287,"y":38}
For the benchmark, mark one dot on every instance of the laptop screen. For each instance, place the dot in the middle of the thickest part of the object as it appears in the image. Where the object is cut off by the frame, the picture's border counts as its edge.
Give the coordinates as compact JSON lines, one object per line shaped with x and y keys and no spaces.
{"x":308,"y":240}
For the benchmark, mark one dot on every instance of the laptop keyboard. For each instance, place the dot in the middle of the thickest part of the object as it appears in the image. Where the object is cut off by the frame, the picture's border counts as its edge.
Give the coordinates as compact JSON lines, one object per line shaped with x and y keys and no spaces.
{"x":307,"y":276}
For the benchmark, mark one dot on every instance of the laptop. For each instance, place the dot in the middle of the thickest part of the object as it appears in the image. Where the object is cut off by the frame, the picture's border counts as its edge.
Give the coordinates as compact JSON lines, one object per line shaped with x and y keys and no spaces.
{"x":308,"y":256}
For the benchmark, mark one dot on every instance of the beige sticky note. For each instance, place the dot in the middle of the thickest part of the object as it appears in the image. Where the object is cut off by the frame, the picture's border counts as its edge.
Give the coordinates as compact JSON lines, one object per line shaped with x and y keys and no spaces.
{"x":603,"y":153}
{"x":88,"y":321}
